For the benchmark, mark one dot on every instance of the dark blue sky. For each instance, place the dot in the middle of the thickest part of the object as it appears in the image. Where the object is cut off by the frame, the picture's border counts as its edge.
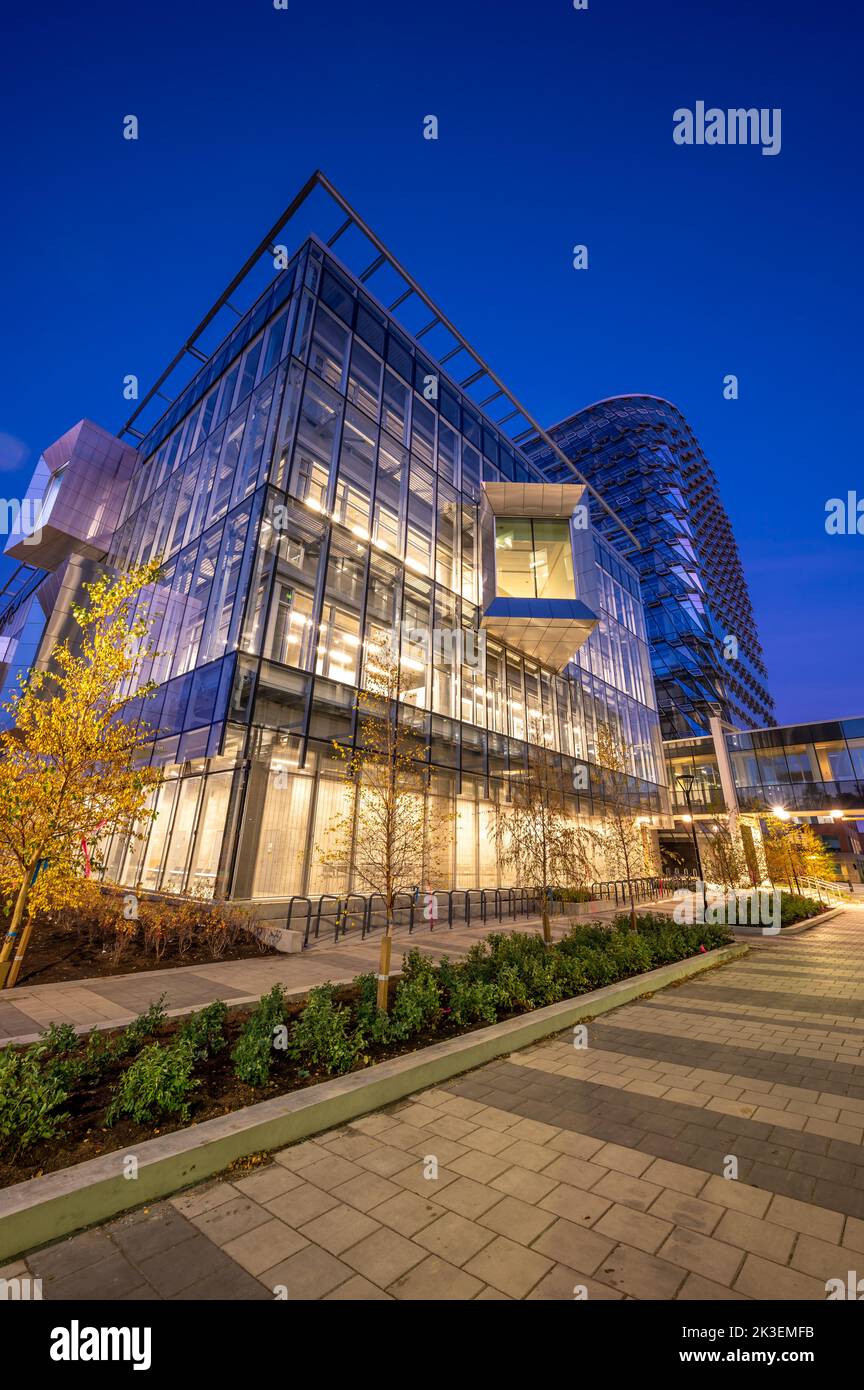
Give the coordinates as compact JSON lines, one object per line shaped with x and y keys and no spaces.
{"x":555,"y":128}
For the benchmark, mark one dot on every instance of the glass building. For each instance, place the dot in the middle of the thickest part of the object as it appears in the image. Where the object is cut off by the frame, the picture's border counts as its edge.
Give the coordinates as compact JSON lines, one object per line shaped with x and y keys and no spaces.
{"x":811,"y":773}
{"x":641,"y":454}
{"x":816,"y":768}
{"x":321,"y":480}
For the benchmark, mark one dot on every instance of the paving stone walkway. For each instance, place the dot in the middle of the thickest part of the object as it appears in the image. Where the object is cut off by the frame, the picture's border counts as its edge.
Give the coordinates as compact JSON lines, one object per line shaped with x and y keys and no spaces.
{"x":115,"y":1000}
{"x":558,"y":1169}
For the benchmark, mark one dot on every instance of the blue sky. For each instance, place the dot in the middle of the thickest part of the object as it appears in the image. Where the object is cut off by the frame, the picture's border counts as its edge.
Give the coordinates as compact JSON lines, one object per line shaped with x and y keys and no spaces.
{"x":555,"y":128}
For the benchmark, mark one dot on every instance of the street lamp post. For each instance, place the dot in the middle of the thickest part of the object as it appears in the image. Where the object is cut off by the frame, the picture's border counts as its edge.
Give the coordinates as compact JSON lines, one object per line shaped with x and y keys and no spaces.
{"x":685,"y":782}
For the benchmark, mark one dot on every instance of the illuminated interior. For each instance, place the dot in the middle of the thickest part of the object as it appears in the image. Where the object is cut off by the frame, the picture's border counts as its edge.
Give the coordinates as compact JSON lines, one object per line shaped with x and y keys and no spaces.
{"x":533,"y":559}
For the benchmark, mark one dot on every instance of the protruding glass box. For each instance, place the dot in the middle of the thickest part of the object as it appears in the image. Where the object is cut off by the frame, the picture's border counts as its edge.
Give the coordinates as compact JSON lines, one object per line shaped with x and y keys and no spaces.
{"x":539,"y":580}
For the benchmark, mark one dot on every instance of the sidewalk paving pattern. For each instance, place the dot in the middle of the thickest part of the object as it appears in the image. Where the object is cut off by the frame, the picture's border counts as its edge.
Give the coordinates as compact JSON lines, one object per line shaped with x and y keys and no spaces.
{"x":558,"y":1168}
{"x":116,"y":999}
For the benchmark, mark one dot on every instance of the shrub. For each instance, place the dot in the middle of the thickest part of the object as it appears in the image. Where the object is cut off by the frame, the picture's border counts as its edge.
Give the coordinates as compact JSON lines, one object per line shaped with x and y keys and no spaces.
{"x":59,"y":1039}
{"x":205,"y":1030}
{"x":323,"y":1035}
{"x":597,"y":965}
{"x":159,"y":1082}
{"x":61,"y":1054}
{"x":99,"y":1054}
{"x":145,"y":1026}
{"x":797,"y":909}
{"x":225,"y":924}
{"x":571,"y":975}
{"x":168,"y":926}
{"x":253,"y":1053}
{"x":524,"y":955}
{"x":418,"y":1003}
{"x":630,"y":953}
{"x":473,"y":1001}
{"x":512,"y":991}
{"x":372,"y":1025}
{"x":30,"y":1100}
{"x":70,"y":1063}
{"x":584,"y":937}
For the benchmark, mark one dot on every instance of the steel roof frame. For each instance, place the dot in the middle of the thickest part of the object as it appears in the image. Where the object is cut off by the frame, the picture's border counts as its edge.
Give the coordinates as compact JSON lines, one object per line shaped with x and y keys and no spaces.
{"x":384,"y":257}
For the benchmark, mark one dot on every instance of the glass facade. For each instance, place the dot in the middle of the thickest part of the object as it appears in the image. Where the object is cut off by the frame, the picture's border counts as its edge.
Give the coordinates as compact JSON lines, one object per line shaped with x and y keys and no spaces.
{"x":641,"y":455}
{"x":801,"y":767}
{"x":22,"y":623}
{"x":308,"y":492}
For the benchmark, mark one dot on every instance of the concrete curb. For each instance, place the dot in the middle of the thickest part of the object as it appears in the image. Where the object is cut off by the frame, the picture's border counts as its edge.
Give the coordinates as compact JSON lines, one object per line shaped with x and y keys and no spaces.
{"x":810,"y":922}
{"x":756,"y":934}
{"x":43,"y":1209}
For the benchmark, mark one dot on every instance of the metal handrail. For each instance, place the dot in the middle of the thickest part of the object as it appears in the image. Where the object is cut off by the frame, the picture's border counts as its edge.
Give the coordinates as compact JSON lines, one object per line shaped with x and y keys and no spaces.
{"x":824,"y":888}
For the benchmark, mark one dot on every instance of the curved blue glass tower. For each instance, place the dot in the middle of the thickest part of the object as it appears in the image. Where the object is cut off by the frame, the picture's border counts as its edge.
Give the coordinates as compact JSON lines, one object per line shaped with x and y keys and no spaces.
{"x":642,"y":455}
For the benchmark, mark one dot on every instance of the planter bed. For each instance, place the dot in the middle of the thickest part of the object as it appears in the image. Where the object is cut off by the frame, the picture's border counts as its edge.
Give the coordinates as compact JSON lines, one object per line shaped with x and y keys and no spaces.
{"x":43,"y":1209}
{"x":67,"y":1099}
{"x":97,"y":936}
{"x":87,"y":1136}
{"x":58,"y":956}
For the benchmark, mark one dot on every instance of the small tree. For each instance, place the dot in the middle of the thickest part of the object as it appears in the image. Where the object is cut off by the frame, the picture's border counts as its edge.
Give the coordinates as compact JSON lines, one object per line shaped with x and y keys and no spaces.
{"x":723,"y":856}
{"x":815,"y":859}
{"x":619,"y":836}
{"x":392,"y":832}
{"x":67,"y":764}
{"x":794,"y":851}
{"x":535,"y":835}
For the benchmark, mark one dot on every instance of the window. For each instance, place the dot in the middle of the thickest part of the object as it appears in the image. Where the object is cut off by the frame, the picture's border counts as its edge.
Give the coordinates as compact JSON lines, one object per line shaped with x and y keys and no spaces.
{"x":354,"y":486}
{"x":423,"y":432}
{"x":223,"y":480}
{"x":394,"y":413}
{"x":208,"y":841}
{"x":338,"y":644}
{"x":514,"y":554}
{"x":225,"y":585}
{"x":446,"y":549}
{"x":257,"y":440}
{"x":533,"y":559}
{"x":385,"y":527}
{"x":316,"y":438}
{"x":364,"y":383}
{"x":469,"y":569}
{"x":196,"y":604}
{"x":50,"y":495}
{"x":174,"y":875}
{"x":291,"y":631}
{"x":329,"y":348}
{"x":448,"y":453}
{"x":421,"y":520}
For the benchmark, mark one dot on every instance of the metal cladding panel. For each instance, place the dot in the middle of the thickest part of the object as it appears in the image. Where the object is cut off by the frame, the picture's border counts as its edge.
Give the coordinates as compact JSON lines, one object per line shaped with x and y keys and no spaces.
{"x":539,"y":500}
{"x":85,"y":509}
{"x":549,"y":630}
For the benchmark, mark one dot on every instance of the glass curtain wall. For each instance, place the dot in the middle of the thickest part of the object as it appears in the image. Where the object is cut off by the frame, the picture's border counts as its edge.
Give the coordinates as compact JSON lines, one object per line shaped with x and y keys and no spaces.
{"x":315,"y":494}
